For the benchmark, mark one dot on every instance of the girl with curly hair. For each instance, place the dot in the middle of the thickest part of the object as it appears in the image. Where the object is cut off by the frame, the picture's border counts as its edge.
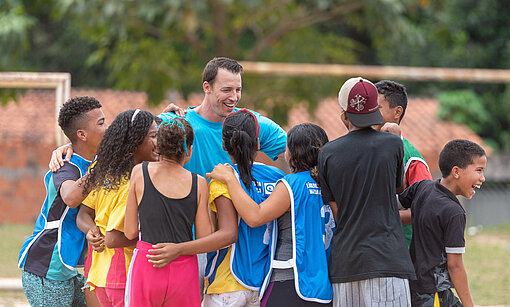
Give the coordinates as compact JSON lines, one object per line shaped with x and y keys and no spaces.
{"x":160,"y":213}
{"x":128,"y":141}
{"x":304,"y":229}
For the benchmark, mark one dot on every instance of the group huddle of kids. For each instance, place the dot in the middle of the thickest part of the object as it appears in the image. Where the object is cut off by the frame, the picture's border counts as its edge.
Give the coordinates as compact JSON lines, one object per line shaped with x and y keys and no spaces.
{"x":332,"y":232}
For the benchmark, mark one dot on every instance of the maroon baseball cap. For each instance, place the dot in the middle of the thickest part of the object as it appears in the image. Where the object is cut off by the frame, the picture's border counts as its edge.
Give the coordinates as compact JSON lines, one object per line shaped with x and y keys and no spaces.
{"x":358,"y":98}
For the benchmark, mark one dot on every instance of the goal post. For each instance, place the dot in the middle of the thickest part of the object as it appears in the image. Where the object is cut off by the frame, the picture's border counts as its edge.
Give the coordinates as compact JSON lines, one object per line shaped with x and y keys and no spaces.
{"x":61,"y":82}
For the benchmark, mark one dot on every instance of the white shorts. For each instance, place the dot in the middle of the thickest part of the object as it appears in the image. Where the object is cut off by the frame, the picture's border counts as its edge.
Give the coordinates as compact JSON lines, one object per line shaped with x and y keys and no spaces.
{"x":383,"y":291}
{"x":248,"y":298}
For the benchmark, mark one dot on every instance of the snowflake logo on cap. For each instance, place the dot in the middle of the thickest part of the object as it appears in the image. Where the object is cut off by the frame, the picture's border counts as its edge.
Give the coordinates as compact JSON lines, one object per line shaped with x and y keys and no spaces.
{"x":358,"y":102}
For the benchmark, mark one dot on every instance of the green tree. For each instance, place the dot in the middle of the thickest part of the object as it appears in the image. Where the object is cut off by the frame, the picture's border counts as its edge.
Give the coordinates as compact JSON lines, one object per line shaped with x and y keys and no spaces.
{"x":160,"y":45}
{"x":459,"y":33}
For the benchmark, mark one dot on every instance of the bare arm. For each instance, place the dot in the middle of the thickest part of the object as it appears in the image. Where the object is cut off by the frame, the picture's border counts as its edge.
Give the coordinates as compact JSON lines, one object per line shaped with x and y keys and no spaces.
{"x":56,"y":160}
{"x":252,"y":213}
{"x":73,"y":192}
{"x":256,"y":215}
{"x":116,"y":239}
{"x":203,"y":225}
{"x":405,"y":216}
{"x":131,"y":217}
{"x":401,"y":188}
{"x":334,"y":208}
{"x":459,"y":278}
{"x":164,"y":253}
{"x":85,"y":222}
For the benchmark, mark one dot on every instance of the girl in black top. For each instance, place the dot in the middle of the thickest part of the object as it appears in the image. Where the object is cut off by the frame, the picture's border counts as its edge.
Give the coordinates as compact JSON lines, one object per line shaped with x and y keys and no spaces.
{"x":164,"y":202}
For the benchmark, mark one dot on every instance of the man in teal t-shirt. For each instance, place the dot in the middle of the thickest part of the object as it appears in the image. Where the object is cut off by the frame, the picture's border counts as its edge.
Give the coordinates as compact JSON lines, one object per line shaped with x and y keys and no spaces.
{"x":222,"y":86}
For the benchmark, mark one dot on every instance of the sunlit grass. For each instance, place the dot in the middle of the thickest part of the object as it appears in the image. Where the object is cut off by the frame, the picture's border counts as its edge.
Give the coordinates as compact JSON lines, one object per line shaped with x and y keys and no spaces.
{"x":12,"y":237}
{"x":487,"y":261}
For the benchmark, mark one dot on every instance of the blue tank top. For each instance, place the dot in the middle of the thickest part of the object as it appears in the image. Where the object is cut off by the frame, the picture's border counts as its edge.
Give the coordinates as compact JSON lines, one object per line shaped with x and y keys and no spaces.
{"x":312,"y":232}
{"x":249,"y":259}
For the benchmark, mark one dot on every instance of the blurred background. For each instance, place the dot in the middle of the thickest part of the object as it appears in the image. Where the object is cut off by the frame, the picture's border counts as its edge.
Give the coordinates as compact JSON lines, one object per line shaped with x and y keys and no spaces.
{"x":145,"y":54}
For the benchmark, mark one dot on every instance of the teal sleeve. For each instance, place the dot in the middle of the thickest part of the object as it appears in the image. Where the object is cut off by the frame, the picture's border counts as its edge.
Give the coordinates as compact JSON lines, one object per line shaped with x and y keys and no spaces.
{"x":272,"y":138}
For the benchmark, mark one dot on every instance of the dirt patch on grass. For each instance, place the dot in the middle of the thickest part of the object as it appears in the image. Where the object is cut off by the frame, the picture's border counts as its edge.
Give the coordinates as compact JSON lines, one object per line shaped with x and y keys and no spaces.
{"x":492,"y":239}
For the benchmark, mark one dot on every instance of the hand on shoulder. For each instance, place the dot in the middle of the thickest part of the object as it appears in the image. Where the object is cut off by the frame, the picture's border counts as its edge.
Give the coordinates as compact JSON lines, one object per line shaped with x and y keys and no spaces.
{"x":175,"y":109}
{"x":392,"y":128}
{"x":221,"y":172}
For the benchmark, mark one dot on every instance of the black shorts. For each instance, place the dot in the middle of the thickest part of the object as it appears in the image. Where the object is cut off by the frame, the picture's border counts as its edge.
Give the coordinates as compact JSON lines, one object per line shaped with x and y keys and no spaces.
{"x":446,"y":299}
{"x":283,"y":293}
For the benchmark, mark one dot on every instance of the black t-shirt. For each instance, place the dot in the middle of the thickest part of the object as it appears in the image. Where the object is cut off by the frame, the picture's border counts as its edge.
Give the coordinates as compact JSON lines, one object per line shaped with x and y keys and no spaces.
{"x":438,"y":228}
{"x":360,"y":172}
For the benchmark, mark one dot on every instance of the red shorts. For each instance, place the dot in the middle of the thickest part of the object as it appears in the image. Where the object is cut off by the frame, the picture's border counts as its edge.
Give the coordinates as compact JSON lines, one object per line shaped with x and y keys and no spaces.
{"x":174,"y":285}
{"x":88,"y":261}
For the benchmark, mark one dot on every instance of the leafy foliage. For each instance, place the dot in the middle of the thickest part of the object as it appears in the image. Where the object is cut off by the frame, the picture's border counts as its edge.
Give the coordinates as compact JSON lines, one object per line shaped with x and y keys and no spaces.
{"x":161,"y":46}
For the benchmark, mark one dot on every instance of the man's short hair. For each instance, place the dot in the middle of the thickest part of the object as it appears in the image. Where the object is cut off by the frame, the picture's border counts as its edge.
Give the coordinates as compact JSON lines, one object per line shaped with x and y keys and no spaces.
{"x":395,"y":93}
{"x":460,"y":153}
{"x":211,"y":69}
{"x":72,"y":113}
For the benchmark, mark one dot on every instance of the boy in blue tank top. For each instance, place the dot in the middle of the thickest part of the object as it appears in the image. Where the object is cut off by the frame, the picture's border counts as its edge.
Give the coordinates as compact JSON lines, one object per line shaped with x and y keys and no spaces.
{"x":49,"y":257}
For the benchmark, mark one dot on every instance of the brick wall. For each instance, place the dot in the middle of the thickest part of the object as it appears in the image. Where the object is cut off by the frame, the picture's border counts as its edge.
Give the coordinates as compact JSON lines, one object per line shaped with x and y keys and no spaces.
{"x":22,"y":191}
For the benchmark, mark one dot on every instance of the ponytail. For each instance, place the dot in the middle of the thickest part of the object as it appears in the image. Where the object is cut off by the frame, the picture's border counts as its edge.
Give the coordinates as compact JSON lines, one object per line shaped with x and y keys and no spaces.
{"x":314,"y":173}
{"x":240,"y":138}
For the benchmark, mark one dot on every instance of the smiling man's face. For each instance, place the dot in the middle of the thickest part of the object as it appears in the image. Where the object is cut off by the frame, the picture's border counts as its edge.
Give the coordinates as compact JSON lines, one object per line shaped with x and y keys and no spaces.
{"x":225,"y":92}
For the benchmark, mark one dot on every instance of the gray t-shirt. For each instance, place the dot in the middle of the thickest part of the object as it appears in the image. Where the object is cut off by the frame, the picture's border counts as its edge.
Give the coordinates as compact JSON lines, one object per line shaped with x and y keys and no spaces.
{"x":283,"y":248}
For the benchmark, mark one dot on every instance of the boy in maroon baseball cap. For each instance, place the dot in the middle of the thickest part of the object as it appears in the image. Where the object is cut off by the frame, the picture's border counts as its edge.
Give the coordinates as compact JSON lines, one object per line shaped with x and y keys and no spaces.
{"x":359,"y":174}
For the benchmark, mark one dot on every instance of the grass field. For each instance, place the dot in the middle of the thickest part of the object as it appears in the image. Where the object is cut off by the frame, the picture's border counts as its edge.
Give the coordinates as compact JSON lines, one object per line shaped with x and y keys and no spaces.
{"x":487,"y":262}
{"x":12,"y":237}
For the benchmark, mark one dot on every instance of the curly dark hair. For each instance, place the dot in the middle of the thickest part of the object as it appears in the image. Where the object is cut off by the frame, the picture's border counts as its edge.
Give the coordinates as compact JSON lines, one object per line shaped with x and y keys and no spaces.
{"x":459,"y":153}
{"x":395,"y":93}
{"x":115,"y":153}
{"x":73,"y":112}
{"x":171,"y":138}
{"x":304,"y":142}
{"x":239,"y":136}
{"x":211,"y":69}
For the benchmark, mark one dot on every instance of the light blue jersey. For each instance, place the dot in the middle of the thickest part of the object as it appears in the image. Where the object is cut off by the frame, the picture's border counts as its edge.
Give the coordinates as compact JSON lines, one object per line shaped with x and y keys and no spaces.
{"x":207,"y":147}
{"x":249,"y":259}
{"x":312,"y":232}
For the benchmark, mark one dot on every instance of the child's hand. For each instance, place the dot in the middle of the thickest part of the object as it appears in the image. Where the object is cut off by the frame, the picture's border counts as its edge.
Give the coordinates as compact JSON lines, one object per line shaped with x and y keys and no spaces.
{"x":56,"y":157}
{"x":391,"y":128}
{"x":163,"y":254}
{"x":95,"y":239}
{"x":176,"y":109}
{"x":222,"y":173}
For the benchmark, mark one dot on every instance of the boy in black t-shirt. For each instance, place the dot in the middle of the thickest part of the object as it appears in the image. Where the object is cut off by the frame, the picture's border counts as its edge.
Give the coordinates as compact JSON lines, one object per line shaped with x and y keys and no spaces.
{"x":439,"y":221}
{"x":359,"y":175}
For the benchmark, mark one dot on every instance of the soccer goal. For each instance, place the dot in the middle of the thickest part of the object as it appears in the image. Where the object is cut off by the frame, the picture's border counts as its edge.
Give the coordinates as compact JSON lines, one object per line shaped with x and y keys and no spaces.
{"x":61,"y":82}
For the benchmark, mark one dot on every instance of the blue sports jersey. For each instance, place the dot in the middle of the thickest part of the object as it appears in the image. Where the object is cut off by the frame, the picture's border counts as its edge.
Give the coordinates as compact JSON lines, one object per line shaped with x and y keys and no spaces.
{"x":249,"y":259}
{"x":56,"y":246}
{"x":312,"y":232}
{"x":207,"y":147}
